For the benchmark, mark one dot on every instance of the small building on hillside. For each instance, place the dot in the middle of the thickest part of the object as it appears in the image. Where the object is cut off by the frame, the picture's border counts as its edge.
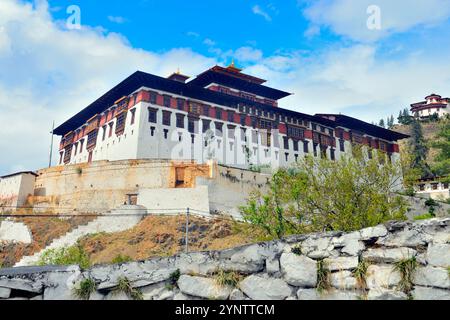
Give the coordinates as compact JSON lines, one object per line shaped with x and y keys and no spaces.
{"x":433,"y":104}
{"x":15,"y":189}
{"x":435,"y":188}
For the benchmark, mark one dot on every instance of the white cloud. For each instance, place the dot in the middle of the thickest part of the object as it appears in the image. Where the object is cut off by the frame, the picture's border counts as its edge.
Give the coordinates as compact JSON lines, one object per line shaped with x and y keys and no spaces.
{"x":209,"y":42}
{"x":248,"y":54}
{"x":192,"y":34}
{"x":349,"y":17}
{"x":49,"y":72}
{"x":256,"y":9}
{"x":117,"y":19}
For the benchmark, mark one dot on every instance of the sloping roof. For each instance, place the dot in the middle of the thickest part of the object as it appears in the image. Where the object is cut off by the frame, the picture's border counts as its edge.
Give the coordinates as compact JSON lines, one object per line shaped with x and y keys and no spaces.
{"x":19,"y":173}
{"x":141,"y":79}
{"x":211,"y":76}
{"x":370,"y":129}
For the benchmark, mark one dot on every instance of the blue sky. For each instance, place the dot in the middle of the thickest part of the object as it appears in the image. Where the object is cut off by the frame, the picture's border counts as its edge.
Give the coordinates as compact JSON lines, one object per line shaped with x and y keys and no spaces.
{"x":320,"y":50}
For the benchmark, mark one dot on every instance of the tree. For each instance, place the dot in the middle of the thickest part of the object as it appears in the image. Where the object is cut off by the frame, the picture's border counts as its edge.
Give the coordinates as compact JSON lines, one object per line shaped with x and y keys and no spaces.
{"x":419,"y":149}
{"x":321,"y":195}
{"x":442,"y":165}
{"x":381,"y":123}
{"x":390,"y":122}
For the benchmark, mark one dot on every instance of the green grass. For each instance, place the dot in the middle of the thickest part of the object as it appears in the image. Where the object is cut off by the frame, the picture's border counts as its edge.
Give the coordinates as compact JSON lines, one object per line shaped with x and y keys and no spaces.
{"x":84,"y":289}
{"x":406,"y":268}
{"x":424,"y":216}
{"x":227,"y":278}
{"x":323,"y":276}
{"x":360,"y":274}
{"x":124,"y":285}
{"x":74,"y":255}
{"x":121,"y":259}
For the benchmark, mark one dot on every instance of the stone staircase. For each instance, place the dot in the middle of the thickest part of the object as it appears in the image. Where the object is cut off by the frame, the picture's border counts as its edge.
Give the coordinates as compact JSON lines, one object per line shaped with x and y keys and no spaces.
{"x":120,"y":219}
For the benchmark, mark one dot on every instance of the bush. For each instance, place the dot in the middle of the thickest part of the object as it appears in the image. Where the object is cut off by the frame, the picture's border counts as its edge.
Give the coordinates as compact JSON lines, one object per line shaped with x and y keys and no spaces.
{"x":75,"y":255}
{"x":322,"y":195}
{"x":227,"y":278}
{"x":124,"y":285}
{"x":84,"y":289}
{"x":424,"y":216}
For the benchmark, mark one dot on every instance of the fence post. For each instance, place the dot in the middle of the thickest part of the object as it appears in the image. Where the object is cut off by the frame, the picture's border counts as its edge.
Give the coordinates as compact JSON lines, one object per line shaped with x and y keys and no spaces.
{"x":187,"y":230}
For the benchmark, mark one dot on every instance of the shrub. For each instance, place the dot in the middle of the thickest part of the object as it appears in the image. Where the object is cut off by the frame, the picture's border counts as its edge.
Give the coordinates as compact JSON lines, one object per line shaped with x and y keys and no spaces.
{"x":406,"y":268}
{"x":227,"y":278}
{"x":65,"y":256}
{"x":84,"y":289}
{"x":124,"y":285}
{"x":121,"y":259}
{"x":323,"y":276}
{"x":360,"y":273}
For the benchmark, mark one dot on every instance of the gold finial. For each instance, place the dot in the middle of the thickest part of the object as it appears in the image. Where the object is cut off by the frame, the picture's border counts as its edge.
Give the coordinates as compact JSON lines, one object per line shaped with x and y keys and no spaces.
{"x":232,"y":63}
{"x":178,"y":70}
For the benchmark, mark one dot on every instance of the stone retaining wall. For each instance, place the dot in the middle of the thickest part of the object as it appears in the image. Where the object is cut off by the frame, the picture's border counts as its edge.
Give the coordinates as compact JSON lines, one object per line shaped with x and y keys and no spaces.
{"x":287,"y":269}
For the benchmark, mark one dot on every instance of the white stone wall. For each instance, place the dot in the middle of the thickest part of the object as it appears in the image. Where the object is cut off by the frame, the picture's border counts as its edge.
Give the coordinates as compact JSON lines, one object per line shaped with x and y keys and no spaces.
{"x":268,"y":270}
{"x":15,"y":189}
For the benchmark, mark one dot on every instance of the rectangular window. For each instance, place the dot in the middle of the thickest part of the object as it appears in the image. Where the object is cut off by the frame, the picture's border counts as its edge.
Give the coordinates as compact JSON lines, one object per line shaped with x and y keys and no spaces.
{"x":341,"y":145}
{"x":153,"y":97}
{"x":231,"y":132}
{"x":166,"y":101}
{"x":152,"y":131}
{"x":264,"y":124}
{"x":81,"y":145}
{"x":191,"y":126}
{"x":286,"y":156}
{"x":422,"y":187}
{"x":120,"y":122}
{"x":180,"y":121}
{"x":314,"y":126}
{"x":218,"y":126}
{"x":180,"y":104}
{"x":332,"y":156}
{"x":205,"y":110}
{"x":111,"y":125}
{"x":166,"y":133}
{"x":296,"y":157}
{"x":295,"y":145}
{"x":230,"y":115}
{"x":305,"y":147}
{"x":242,"y":116}
{"x":206,"y":125}
{"x":369,"y":153}
{"x":76,"y":147}
{"x":243,"y":134}
{"x":152,"y":115}
{"x":286,"y":143}
{"x":92,"y":137}
{"x":104,"y":133}
{"x":166,"y":118}
{"x":315,"y":149}
{"x":133,"y":116}
{"x":218,"y":113}
{"x":295,"y":132}
{"x":445,"y":186}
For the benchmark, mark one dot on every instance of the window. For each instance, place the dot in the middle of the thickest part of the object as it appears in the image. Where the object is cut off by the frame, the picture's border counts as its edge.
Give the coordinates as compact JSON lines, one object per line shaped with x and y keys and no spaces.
{"x":194,"y":108}
{"x":286,"y":155}
{"x":305,"y":147}
{"x":369,"y":153}
{"x":166,"y":101}
{"x":180,"y":121}
{"x":341,"y":145}
{"x":242,"y":116}
{"x":166,"y":133}
{"x":314,"y":126}
{"x":133,"y":116}
{"x":243,"y":134}
{"x":166,"y":118}
{"x":422,"y":187}
{"x":104,"y":133}
{"x":205,"y":110}
{"x":152,"y":131}
{"x":120,"y":122}
{"x":111,"y":124}
{"x":434,"y":186}
{"x":286,"y":143}
{"x":332,"y":156}
{"x":445,"y":186}
{"x":218,"y":113}
{"x":254,"y":121}
{"x":92,"y":137}
{"x":192,"y":138}
{"x":76,"y":146}
{"x":322,"y":129}
{"x":219,"y":126}
{"x":296,"y":157}
{"x":230,"y":115}
{"x":206,"y":125}
{"x":323,"y":153}
{"x":295,"y":132}
{"x":180,"y":104}
{"x":264,"y":124}
{"x":295,"y":145}
{"x":152,"y":97}
{"x":315,"y":149}
{"x":152,"y":115}
{"x":231,"y":132}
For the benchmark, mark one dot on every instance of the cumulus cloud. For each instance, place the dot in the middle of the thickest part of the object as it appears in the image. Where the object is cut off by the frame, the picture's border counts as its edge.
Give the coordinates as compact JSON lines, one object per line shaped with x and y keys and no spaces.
{"x":248,"y":54}
{"x":51,"y":73}
{"x":349,"y":17}
{"x":256,"y":9}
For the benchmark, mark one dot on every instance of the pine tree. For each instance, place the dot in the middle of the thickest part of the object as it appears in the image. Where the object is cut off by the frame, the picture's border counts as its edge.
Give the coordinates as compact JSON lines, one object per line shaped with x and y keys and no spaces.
{"x":442,"y":166}
{"x":419,"y":149}
{"x":381,"y":123}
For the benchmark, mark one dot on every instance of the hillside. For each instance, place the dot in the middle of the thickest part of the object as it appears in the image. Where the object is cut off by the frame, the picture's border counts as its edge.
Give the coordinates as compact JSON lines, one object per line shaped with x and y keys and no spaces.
{"x":430,"y":131}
